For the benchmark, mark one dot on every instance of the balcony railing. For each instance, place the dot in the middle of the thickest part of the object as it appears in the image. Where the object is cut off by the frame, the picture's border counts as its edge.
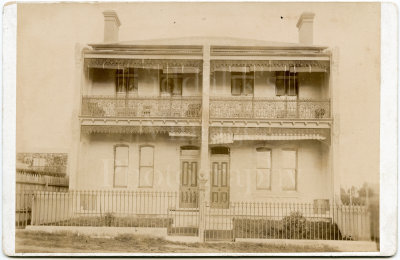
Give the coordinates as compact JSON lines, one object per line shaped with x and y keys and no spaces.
{"x":259,"y":108}
{"x":141,"y":107}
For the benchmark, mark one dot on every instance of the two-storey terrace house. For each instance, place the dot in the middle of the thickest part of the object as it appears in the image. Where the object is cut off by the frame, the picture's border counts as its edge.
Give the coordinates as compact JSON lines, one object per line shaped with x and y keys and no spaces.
{"x":250,"y":118}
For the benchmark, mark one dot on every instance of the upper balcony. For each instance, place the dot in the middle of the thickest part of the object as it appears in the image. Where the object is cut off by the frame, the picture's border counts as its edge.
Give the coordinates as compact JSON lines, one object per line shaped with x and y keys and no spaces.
{"x":175,"y":107}
{"x":255,"y":93}
{"x":141,"y":93}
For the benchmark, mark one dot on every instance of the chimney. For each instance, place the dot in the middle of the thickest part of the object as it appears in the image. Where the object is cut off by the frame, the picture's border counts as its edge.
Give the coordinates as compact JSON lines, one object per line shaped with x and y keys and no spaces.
{"x":111,"y":26}
{"x":306,"y":28}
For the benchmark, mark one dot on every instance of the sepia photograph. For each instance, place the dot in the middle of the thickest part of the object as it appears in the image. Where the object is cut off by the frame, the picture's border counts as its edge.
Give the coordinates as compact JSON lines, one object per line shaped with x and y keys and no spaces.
{"x":197,"y":128}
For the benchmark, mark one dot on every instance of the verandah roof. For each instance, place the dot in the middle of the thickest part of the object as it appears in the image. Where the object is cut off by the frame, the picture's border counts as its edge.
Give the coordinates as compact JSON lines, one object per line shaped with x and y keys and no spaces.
{"x":195,"y":66}
{"x":230,"y":135}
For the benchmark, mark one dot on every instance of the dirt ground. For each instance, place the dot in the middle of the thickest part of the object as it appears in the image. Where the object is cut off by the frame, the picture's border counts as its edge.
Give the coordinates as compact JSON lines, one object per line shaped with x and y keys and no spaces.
{"x":67,"y":242}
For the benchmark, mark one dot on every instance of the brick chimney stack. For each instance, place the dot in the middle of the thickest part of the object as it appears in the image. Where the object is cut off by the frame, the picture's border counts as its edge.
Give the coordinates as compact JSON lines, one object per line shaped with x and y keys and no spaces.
{"x":111,"y":26}
{"x":306,"y":28}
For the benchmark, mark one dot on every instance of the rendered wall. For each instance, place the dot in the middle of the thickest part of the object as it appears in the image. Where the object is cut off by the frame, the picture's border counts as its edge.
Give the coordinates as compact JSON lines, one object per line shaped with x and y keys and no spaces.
{"x":312,"y":175}
{"x":97,"y":169}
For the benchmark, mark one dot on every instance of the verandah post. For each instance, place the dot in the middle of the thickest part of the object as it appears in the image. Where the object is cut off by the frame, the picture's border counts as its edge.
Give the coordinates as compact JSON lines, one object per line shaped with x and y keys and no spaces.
{"x":204,"y":160}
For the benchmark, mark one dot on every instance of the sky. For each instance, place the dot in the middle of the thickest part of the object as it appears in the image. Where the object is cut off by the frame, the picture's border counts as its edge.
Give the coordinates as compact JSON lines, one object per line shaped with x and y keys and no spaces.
{"x":49,"y":33}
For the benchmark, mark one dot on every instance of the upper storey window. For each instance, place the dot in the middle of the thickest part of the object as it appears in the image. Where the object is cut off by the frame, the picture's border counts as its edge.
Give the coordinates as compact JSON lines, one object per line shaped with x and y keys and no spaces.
{"x":171,"y":84}
{"x":286,"y":83}
{"x":242,"y":83}
{"x":126,"y":81}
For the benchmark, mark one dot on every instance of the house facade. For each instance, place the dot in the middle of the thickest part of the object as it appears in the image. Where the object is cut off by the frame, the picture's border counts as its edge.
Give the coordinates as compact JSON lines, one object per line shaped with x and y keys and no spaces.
{"x":250,"y":120}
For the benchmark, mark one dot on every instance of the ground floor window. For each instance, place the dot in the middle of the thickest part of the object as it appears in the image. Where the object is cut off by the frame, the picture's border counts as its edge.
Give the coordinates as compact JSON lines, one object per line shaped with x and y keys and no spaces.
{"x":289,"y":170}
{"x":263,"y":164}
{"x":146,"y":166}
{"x":121,"y":162}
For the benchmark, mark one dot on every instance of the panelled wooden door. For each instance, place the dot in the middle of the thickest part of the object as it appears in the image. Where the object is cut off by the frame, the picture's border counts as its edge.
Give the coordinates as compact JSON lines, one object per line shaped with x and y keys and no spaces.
{"x":189,"y":194}
{"x":220,"y":182}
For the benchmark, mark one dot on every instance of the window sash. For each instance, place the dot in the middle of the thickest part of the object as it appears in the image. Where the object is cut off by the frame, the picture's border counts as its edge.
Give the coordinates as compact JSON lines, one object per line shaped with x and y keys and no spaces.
{"x":121,"y":163}
{"x":242,"y":84}
{"x":289,"y":179}
{"x":263,"y":181}
{"x":146,"y":156}
{"x":126,"y":81}
{"x":263,"y":171}
{"x":121,"y":156}
{"x":289,"y":170}
{"x":171,"y":84}
{"x":120,"y":176}
{"x":146,"y":175}
{"x":286,"y":83}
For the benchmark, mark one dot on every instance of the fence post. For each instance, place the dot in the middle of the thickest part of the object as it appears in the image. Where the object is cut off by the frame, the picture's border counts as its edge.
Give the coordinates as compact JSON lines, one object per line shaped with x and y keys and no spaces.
{"x":202,"y":207}
{"x":33,"y":210}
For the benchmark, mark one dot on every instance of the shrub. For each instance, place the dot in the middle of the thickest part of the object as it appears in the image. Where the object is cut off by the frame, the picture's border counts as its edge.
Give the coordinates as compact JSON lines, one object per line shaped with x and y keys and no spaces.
{"x":109,"y":219}
{"x":295,"y":225}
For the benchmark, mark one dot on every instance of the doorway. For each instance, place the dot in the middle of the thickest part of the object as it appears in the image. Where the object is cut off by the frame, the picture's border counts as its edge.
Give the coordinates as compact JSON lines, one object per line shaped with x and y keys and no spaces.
{"x":188,"y":192}
{"x":219,"y":190}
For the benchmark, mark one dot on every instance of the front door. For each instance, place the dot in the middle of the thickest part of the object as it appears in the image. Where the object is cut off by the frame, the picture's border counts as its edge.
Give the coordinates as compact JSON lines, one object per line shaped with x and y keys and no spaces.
{"x":219,"y":181}
{"x":188,"y":195}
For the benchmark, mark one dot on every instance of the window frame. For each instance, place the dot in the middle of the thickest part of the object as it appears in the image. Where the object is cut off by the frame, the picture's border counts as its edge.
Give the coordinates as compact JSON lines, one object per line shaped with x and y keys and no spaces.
{"x":175,"y":76}
{"x":244,"y":78}
{"x":286,"y":78}
{"x":115,"y":166}
{"x":295,"y":170}
{"x":126,"y":74}
{"x":270,"y":169}
{"x":140,"y":166}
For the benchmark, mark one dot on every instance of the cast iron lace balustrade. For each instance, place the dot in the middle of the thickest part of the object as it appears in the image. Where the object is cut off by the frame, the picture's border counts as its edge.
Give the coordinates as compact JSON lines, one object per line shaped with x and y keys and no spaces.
{"x":141,"y":107}
{"x":259,"y":108}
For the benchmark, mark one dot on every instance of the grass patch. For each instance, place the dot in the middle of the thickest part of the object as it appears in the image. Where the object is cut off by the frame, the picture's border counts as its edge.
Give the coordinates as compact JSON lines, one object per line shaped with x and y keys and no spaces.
{"x":68,"y":242}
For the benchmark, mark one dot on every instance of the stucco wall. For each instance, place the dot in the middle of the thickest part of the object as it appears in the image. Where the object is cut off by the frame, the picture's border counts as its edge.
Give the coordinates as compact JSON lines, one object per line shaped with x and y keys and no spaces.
{"x":313,"y":178}
{"x":97,"y":169}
